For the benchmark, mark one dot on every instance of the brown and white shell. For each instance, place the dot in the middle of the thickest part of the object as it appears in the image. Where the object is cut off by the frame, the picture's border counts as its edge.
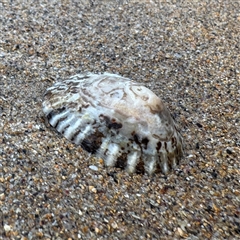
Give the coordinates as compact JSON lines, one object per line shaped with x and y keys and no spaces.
{"x":118,"y":120}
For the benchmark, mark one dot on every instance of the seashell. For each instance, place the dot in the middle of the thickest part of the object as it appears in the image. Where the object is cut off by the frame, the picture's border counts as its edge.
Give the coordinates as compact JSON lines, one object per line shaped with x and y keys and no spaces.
{"x":117,"y":119}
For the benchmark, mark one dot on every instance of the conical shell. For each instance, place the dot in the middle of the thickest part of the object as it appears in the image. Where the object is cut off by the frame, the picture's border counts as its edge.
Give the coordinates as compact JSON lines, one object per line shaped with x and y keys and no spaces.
{"x":116,"y":119}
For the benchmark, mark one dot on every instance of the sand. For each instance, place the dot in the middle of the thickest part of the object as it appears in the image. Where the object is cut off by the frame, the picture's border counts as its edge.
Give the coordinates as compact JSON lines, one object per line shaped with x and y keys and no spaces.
{"x":187,"y":52}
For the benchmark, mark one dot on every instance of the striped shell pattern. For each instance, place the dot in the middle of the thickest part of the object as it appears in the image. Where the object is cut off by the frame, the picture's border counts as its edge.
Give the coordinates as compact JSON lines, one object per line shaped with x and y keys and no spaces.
{"x":118,"y":120}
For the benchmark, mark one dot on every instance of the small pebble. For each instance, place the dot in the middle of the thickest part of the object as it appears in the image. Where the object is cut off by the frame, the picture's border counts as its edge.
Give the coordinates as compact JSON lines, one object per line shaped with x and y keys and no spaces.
{"x":93,"y":167}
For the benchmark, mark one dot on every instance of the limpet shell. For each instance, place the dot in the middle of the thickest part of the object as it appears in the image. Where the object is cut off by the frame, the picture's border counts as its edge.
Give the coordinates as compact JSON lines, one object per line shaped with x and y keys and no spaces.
{"x":117,"y":119}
